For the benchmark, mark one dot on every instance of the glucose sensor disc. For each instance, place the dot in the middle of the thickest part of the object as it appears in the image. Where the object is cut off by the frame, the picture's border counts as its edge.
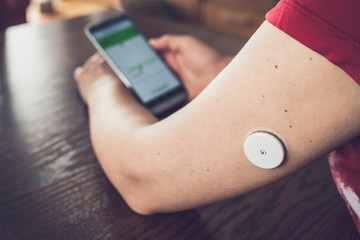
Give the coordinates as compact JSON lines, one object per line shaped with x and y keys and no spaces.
{"x":264,"y":150}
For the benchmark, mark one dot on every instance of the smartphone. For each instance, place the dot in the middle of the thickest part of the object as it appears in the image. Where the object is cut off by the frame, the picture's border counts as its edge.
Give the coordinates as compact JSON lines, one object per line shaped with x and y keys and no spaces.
{"x":137,"y":64}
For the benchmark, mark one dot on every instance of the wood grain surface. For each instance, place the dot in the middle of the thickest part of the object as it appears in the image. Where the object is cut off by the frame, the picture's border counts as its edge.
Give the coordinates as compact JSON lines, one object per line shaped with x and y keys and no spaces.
{"x":52,"y":187}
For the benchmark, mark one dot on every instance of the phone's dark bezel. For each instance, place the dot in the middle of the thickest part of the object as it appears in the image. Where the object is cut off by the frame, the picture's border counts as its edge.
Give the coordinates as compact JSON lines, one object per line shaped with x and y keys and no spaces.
{"x":100,"y":25}
{"x":152,"y":104}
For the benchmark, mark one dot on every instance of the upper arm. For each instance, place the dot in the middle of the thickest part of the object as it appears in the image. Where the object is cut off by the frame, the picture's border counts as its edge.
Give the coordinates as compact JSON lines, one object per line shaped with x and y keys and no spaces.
{"x":196,"y":155}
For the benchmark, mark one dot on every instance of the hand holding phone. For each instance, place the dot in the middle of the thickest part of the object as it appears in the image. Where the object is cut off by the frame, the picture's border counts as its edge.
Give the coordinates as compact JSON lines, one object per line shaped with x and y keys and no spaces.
{"x":137,"y":64}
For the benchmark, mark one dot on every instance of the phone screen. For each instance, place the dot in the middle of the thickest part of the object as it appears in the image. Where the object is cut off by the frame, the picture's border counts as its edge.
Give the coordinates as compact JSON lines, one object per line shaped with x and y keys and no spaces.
{"x":149,"y":77}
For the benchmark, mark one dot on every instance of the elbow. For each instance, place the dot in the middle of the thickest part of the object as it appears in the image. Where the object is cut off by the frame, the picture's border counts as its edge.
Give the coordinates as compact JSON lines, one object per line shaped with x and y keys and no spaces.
{"x":140,"y":200}
{"x":141,"y":208}
{"x":140,"y":182}
{"x":139,"y":191}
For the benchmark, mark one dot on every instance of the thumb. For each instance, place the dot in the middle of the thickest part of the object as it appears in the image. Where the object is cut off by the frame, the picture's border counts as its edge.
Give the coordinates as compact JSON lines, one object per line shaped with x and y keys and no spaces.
{"x":166,"y":42}
{"x":157,"y":44}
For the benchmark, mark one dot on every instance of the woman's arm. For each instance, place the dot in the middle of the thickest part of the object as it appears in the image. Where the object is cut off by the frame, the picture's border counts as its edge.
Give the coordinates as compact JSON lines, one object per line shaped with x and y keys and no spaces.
{"x":195,"y":156}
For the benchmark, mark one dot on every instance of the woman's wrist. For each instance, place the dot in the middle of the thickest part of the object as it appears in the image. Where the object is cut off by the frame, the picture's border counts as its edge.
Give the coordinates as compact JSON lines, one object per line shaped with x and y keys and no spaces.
{"x":105,"y":89}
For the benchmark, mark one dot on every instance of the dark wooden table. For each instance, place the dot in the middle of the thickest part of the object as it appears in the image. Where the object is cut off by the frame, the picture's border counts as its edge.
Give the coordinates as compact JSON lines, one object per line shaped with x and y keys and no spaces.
{"x":52,"y":187}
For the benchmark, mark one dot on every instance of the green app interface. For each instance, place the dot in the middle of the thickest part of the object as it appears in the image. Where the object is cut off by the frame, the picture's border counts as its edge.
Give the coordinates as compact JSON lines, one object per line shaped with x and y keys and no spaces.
{"x":130,"y":52}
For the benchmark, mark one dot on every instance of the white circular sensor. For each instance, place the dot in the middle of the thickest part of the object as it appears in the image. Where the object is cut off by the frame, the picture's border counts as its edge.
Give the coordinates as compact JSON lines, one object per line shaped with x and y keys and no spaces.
{"x":264,"y":150}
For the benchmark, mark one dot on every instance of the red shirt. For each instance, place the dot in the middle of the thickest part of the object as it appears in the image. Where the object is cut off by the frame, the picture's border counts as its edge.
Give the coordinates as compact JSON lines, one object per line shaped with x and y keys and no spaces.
{"x":332,"y":29}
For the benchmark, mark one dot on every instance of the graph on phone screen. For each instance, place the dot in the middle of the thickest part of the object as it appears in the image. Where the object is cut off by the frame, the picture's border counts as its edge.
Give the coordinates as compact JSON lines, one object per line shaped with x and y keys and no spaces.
{"x":131,"y":53}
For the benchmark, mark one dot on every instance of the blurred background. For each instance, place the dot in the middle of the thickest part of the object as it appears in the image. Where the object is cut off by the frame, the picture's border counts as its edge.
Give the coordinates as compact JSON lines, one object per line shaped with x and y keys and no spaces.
{"x":240,"y":17}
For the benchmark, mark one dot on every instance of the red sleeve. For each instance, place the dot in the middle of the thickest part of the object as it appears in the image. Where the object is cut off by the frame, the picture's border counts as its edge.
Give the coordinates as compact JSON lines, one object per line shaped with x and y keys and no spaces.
{"x":329,"y":27}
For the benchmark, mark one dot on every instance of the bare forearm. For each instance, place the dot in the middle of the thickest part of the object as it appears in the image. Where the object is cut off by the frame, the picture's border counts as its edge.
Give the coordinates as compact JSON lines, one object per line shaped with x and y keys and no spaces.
{"x":114,"y":117}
